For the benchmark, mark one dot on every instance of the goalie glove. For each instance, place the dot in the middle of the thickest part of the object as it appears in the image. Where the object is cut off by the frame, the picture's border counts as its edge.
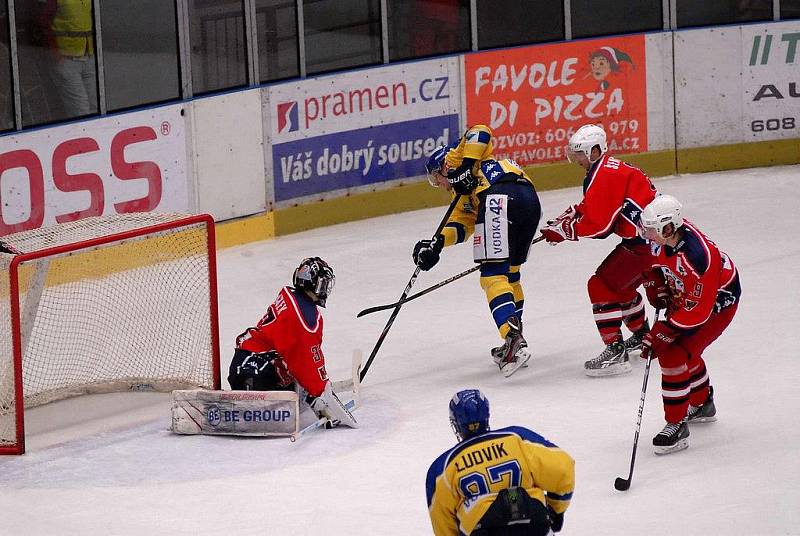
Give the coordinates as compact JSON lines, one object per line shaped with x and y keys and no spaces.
{"x":262,"y":371}
{"x":562,"y":228}
{"x":327,"y":405}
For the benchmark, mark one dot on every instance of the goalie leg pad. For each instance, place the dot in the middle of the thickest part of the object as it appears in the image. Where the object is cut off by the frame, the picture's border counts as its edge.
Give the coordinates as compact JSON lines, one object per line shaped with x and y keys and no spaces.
{"x":329,"y":406}
{"x":241,"y":413}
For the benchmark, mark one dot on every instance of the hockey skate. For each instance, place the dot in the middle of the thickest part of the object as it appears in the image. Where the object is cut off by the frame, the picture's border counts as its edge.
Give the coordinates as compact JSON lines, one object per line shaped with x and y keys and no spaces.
{"x":706,"y":412}
{"x":634,"y":342}
{"x":499,"y":351}
{"x":612,"y":361}
{"x":497,"y":355}
{"x":514,"y":353}
{"x":672,"y":438}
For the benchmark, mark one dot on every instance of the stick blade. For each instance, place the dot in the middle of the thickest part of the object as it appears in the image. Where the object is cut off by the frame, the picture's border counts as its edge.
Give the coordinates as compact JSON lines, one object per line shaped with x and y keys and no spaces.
{"x":622,"y":484}
{"x":370,"y":310}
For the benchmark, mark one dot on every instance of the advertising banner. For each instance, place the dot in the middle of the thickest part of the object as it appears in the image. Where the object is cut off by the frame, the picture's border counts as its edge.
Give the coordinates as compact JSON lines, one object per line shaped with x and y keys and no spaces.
{"x":129,"y":163}
{"x":360,"y":128}
{"x":771,"y":85}
{"x":754,"y":93}
{"x":535,"y":97}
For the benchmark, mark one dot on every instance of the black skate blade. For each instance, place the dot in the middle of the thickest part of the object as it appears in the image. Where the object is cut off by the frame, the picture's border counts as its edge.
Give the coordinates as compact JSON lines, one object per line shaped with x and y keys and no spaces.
{"x":682,"y":444}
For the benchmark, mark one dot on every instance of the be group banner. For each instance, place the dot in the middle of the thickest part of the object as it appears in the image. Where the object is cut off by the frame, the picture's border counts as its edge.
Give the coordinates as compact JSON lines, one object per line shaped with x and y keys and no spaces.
{"x":360,"y":128}
{"x":129,"y":163}
{"x":534,"y":98}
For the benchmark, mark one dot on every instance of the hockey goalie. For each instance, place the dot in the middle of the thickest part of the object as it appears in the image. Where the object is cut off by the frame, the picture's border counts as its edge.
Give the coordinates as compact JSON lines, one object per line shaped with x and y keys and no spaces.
{"x":277,"y":372}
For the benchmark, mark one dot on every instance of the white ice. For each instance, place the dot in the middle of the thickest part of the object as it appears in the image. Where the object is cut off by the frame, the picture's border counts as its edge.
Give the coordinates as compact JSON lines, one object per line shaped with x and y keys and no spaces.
{"x":106,"y":464}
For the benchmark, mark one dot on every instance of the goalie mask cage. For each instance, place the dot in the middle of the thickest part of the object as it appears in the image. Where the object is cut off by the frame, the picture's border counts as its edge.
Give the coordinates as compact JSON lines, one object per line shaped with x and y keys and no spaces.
{"x":107,"y":303}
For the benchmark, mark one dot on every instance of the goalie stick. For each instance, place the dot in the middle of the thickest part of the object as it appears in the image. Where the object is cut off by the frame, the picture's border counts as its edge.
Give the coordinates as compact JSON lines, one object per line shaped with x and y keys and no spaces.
{"x":410,"y":284}
{"x":322,"y":422}
{"x":623,"y":484}
{"x":440,"y":284}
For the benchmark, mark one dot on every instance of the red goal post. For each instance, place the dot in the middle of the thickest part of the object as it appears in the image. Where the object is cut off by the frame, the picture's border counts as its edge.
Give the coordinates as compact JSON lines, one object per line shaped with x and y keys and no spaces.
{"x":104,"y":304}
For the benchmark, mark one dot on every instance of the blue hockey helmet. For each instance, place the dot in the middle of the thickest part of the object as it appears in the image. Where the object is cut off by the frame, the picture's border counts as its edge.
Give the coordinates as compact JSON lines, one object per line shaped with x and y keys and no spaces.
{"x":469,"y":413}
{"x":436,"y":162}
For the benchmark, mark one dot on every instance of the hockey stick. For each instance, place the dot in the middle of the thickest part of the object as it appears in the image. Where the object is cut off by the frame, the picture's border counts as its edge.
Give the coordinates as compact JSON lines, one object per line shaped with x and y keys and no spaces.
{"x":622,"y":484}
{"x":440,"y":284}
{"x":377,"y":308}
{"x":410,"y":284}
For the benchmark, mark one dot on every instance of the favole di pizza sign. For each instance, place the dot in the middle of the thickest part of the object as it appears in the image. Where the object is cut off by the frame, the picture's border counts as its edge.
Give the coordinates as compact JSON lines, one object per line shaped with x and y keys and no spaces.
{"x":535,"y":97}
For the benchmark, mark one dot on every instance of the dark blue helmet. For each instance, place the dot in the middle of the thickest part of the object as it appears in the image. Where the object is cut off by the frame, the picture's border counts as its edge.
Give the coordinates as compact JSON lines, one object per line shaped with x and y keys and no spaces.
{"x":469,"y":413}
{"x":436,"y":159}
{"x":316,"y":277}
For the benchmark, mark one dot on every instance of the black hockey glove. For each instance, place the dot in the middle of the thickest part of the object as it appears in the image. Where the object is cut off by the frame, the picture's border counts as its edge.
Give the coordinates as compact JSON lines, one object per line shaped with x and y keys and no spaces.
{"x":252,"y":371}
{"x":426,"y":252}
{"x":461,"y":179}
{"x":556,"y":520}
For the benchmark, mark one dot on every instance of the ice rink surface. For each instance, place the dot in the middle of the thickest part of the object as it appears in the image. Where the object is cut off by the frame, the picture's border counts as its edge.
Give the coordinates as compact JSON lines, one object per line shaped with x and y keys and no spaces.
{"x":106,"y":464}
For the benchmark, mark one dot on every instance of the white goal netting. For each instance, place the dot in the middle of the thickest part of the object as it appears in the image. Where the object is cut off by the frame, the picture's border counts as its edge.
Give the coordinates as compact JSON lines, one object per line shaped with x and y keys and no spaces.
{"x":111,"y":303}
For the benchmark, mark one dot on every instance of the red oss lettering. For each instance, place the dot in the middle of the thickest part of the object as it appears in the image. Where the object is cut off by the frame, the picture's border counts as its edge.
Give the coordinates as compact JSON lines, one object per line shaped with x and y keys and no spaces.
{"x":78,"y":182}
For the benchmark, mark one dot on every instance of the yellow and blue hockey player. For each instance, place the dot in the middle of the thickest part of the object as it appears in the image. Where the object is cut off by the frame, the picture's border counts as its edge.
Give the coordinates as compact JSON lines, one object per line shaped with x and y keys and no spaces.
{"x":501,"y":207}
{"x":509,"y":481}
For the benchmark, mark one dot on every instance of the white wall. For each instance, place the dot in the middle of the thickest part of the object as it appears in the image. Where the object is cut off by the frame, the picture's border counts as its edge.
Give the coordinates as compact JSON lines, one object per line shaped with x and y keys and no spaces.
{"x":660,"y":94}
{"x":733,"y":84}
{"x":227,"y":157}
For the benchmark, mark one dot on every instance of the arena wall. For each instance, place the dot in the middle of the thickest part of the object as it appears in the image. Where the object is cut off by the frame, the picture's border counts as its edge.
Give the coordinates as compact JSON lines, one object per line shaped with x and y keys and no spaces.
{"x":322,"y":150}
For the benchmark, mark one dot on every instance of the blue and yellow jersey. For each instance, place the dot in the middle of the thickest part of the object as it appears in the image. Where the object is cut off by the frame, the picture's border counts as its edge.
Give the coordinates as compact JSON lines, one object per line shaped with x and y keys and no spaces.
{"x":463,"y":482}
{"x":476,"y":143}
{"x":461,"y":223}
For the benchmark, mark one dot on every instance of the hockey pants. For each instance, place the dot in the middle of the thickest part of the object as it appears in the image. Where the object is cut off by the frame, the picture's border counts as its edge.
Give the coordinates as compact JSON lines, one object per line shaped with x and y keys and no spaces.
{"x":612,"y":289}
{"x":684,"y":378}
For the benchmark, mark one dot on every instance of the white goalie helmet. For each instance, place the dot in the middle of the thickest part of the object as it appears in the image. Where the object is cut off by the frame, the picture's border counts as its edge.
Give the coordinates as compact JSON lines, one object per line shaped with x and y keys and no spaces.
{"x":661,"y":211}
{"x":585,"y":138}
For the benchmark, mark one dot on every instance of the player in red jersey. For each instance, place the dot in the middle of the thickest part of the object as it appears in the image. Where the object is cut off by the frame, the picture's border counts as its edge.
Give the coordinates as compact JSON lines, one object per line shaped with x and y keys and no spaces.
{"x":698,"y":286}
{"x":285,"y":347}
{"x":614,"y":194}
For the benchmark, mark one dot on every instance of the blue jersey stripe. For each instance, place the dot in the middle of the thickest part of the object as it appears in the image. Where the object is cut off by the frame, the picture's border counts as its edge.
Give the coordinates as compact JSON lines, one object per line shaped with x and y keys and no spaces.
{"x":436,"y":469}
{"x":556,"y":497}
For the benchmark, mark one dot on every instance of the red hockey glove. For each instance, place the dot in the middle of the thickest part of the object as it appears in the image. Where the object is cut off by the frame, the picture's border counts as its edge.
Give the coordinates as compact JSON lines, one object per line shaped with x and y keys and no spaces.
{"x":657,"y":290}
{"x":657,"y":339}
{"x":562,"y":228}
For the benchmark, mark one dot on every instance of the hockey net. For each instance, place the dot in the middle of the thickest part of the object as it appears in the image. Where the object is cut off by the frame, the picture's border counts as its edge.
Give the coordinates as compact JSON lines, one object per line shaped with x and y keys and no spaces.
{"x":108,"y":303}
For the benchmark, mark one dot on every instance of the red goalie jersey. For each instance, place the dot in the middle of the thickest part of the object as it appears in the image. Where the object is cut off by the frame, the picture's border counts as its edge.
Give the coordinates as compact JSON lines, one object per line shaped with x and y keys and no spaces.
{"x":614,"y":194}
{"x":293,"y":328}
{"x":701,"y":278}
